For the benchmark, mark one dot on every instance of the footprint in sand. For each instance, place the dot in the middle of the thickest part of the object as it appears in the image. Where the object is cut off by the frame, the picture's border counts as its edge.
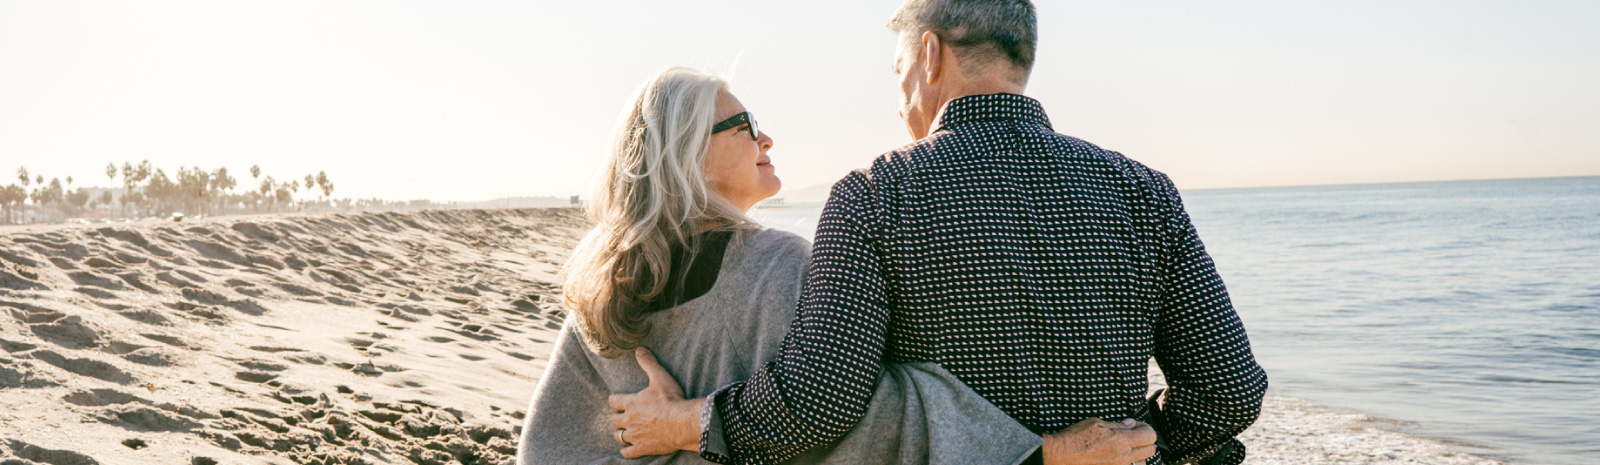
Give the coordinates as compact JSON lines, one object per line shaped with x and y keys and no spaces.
{"x":270,"y":349}
{"x":165,"y":339}
{"x":31,"y":314}
{"x":17,"y":374}
{"x":144,"y":418}
{"x":95,"y":292}
{"x":102,"y":262}
{"x":259,"y":365}
{"x":152,"y":357}
{"x":95,"y":279}
{"x":120,"y":348}
{"x":137,"y":281}
{"x":102,"y":397}
{"x":30,"y":452}
{"x":312,"y":359}
{"x":175,"y":280}
{"x":63,"y":263}
{"x":84,"y":367}
{"x":16,"y":346}
{"x":70,"y":333}
{"x":146,"y":316}
{"x":255,"y":377}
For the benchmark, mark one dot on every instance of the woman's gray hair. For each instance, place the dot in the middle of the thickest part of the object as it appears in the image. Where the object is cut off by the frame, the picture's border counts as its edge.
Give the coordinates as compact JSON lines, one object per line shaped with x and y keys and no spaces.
{"x":981,"y":32}
{"x":651,"y":195}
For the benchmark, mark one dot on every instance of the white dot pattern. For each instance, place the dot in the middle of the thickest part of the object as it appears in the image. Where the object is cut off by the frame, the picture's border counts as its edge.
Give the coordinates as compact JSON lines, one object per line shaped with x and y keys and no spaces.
{"x":1041,"y":270}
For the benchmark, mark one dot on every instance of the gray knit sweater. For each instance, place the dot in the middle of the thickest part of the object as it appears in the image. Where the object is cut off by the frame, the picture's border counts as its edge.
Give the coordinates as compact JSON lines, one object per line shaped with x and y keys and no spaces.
{"x":919,"y":413}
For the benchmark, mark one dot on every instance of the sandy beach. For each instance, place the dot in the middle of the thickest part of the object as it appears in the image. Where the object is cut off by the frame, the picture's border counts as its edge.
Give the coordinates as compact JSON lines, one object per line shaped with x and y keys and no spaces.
{"x":405,"y":338}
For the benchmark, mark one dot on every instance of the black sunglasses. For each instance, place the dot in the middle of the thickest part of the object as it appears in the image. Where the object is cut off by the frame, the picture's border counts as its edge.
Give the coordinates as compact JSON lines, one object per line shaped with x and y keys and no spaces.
{"x":736,"y":120}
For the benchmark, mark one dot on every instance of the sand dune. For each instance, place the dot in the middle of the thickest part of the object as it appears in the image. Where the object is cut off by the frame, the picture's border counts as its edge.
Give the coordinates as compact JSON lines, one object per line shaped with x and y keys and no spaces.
{"x":406,"y":338}
{"x":367,"y":338}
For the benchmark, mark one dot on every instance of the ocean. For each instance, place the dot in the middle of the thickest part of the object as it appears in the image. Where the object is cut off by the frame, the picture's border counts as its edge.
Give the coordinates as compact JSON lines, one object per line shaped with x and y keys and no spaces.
{"x":1467,"y":311}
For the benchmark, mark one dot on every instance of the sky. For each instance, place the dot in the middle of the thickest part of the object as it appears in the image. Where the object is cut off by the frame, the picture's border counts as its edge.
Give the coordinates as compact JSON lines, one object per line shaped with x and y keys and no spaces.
{"x":467,"y":101}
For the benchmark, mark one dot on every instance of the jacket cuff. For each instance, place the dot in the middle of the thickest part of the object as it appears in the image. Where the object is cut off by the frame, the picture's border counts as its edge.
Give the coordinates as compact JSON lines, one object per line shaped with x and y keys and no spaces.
{"x":713,"y":445}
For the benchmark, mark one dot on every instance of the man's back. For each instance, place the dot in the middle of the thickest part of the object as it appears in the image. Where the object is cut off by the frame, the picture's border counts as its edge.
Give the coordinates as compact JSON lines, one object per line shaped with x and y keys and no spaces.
{"x":1024,"y":261}
{"x":1042,"y":271}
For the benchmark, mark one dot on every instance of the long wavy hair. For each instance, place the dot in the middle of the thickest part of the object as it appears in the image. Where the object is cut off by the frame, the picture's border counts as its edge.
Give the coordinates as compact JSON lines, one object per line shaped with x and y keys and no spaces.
{"x":651,"y":195}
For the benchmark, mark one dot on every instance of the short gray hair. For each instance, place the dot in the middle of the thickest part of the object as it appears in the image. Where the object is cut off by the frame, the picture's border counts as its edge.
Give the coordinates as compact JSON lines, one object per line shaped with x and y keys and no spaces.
{"x":979,"y":31}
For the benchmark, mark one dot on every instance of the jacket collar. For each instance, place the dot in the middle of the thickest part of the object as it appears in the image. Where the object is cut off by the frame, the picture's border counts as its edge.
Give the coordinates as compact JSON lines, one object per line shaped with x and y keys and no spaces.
{"x":990,"y":107}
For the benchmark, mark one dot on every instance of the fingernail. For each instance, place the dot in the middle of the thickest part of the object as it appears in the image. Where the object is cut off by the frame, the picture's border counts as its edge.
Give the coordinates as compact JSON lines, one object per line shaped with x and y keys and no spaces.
{"x":1129,"y":422}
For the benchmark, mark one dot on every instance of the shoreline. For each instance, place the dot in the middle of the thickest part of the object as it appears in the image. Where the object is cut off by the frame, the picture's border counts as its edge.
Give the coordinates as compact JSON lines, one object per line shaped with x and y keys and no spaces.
{"x":1295,"y":431}
{"x":1298,"y":431}
{"x":384,"y":337}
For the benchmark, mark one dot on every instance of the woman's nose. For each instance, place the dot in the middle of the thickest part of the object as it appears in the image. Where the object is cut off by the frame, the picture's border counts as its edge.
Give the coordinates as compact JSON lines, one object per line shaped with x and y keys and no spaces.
{"x":765,"y":140}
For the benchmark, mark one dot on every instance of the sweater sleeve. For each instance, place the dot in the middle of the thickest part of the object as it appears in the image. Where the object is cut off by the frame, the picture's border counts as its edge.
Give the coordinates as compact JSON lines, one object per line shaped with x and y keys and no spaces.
{"x":1215,"y":386}
{"x":820,"y":385}
{"x":568,"y":419}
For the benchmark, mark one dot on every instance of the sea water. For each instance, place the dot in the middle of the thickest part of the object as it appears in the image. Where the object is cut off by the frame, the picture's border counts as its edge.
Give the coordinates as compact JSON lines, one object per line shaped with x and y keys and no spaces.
{"x":1468,"y":311}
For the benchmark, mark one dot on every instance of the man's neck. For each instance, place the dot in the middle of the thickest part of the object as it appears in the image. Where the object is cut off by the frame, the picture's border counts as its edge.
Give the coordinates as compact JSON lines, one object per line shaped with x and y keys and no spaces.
{"x":981,"y":87}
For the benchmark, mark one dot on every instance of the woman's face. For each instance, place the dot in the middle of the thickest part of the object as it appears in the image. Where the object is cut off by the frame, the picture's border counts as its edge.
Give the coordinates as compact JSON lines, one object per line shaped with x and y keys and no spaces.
{"x":737,"y":168}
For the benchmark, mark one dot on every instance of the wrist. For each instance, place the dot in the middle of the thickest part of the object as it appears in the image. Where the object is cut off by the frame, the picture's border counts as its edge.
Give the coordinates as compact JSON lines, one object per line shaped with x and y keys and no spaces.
{"x":688,"y":417}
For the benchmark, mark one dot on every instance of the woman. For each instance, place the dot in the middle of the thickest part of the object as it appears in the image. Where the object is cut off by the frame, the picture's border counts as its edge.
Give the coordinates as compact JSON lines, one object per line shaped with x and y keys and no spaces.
{"x":673,"y":264}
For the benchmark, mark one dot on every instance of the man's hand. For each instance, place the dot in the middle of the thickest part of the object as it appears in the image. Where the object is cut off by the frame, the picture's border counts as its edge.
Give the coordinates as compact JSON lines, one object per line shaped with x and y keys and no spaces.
{"x":657,"y":420}
{"x":1099,"y":442}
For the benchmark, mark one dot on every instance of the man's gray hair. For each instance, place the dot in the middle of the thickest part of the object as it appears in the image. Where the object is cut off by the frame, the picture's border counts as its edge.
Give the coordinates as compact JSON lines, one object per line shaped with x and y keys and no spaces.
{"x":979,"y":31}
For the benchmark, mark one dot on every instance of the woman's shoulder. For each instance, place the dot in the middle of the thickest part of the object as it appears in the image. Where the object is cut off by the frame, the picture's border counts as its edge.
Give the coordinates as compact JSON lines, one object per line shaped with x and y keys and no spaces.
{"x":771,"y":244}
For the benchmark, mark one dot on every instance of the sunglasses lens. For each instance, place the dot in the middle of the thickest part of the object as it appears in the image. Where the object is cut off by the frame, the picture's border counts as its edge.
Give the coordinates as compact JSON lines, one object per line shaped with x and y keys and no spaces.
{"x":755,"y":133}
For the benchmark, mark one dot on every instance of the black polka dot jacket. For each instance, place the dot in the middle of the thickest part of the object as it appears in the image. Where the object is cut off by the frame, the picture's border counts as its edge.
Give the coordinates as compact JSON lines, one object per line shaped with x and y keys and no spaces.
{"x":1041,"y":270}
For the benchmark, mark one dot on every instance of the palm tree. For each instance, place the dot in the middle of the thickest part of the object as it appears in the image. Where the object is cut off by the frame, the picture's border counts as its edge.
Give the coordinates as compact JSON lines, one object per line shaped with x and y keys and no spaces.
{"x":132,"y":175}
{"x":285,"y":193}
{"x":294,"y":188}
{"x":43,"y":196}
{"x":75,"y":201}
{"x":324,"y":184}
{"x":105,"y":198}
{"x":267,"y":186}
{"x":11,"y":196}
{"x":22,"y":175}
{"x":221,"y":183}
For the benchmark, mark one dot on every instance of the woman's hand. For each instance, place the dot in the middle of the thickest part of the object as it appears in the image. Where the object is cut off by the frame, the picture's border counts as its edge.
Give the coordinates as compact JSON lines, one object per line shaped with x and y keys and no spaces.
{"x":657,"y":420}
{"x":1099,"y":442}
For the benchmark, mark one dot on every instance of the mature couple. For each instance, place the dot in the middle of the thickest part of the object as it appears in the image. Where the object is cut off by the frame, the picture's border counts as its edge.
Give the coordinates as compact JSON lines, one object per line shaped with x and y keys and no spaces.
{"x":991,"y":293}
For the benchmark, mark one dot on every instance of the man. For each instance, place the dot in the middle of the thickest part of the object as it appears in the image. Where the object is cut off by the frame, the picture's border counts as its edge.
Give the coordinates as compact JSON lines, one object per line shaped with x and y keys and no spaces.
{"x":1041,"y":270}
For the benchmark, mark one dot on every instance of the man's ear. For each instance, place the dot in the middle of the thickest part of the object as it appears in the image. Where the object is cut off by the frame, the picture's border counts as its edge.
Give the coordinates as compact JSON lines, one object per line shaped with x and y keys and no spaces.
{"x":932,"y":60}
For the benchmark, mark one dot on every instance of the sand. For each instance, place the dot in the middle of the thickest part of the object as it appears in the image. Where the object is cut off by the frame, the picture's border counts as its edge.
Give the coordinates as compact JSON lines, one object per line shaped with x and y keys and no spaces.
{"x":366,"y":338}
{"x":405,"y":338}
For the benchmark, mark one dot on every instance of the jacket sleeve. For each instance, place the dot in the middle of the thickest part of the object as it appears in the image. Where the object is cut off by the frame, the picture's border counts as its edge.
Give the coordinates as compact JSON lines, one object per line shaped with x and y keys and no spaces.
{"x":1215,"y":387}
{"x":826,"y":370}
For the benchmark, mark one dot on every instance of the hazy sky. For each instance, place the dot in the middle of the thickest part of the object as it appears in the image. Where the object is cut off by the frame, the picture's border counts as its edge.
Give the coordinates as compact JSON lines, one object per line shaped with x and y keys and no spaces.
{"x":484,"y":99}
